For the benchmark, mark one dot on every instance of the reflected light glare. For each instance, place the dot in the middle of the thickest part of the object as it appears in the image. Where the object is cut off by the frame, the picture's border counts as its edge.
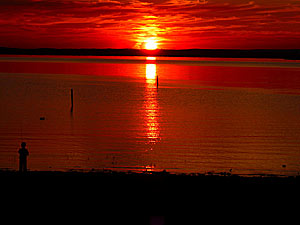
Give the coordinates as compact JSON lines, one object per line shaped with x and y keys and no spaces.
{"x":151,"y":107}
{"x":150,"y":168}
{"x":151,"y":73}
{"x":150,"y":58}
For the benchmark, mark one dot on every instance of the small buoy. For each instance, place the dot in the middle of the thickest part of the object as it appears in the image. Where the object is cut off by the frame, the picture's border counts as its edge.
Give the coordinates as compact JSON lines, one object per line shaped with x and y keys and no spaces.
{"x":42,"y":118}
{"x":284,"y":166}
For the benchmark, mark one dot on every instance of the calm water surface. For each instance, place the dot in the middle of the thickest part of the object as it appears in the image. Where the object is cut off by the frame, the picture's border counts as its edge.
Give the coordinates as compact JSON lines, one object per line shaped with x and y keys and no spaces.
{"x":206,"y":115}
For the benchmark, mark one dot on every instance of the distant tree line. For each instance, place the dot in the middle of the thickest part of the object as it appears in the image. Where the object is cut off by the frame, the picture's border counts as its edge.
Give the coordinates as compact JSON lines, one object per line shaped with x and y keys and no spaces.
{"x":293,"y":54}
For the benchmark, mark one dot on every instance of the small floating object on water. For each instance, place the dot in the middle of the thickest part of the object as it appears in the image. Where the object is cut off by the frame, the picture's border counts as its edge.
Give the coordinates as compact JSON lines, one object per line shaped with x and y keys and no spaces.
{"x":42,"y":118}
{"x":283,"y":166}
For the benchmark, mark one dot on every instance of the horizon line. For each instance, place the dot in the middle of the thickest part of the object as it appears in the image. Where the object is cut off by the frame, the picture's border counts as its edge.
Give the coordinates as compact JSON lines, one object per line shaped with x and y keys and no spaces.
{"x":289,"y":54}
{"x":158,"y":49}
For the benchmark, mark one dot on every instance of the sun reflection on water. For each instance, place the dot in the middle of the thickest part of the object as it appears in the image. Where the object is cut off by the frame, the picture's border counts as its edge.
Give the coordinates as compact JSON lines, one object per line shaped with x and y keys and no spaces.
{"x":151,"y":73}
{"x":151,"y":105}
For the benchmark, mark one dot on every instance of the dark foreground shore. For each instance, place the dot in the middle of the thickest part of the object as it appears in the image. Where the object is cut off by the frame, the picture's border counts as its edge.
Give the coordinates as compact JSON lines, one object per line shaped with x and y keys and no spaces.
{"x":153,"y":183}
{"x":123,"y":198}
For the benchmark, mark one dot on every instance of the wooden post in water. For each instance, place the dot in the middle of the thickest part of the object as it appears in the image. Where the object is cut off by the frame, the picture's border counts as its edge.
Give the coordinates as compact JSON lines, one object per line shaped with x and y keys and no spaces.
{"x":157,"y":81}
{"x":71,"y":100}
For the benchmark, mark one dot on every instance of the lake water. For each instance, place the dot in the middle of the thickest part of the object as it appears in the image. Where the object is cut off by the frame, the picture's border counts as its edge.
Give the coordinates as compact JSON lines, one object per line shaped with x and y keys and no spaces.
{"x":204,"y":115}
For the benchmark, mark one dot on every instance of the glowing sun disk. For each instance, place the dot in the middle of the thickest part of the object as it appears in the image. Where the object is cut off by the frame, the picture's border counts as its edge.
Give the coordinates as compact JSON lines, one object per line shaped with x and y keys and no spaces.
{"x":150,"y":44}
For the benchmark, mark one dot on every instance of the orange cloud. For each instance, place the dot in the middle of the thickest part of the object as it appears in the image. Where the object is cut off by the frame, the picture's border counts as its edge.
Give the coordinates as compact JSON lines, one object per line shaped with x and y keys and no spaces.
{"x":176,"y":24}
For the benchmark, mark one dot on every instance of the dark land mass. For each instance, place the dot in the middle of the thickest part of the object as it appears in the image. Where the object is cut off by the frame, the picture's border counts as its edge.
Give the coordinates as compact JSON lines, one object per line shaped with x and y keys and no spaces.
{"x":124,"y":198}
{"x":153,"y":183}
{"x":292,"y":54}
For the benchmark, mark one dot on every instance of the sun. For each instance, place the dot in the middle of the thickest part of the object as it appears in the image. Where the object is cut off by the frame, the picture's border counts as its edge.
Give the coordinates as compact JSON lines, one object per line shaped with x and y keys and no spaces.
{"x":150,"y":44}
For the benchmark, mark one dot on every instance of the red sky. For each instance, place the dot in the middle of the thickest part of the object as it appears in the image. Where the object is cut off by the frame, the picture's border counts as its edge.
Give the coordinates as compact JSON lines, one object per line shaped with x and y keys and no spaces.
{"x":174,"y":24}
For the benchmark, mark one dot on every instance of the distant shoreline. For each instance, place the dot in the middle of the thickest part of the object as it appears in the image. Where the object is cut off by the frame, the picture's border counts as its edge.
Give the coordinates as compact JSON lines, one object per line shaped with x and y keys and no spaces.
{"x":288,"y":54}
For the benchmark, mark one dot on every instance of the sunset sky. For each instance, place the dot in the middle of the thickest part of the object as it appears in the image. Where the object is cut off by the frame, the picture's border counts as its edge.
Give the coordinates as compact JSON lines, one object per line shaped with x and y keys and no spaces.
{"x":170,"y":24}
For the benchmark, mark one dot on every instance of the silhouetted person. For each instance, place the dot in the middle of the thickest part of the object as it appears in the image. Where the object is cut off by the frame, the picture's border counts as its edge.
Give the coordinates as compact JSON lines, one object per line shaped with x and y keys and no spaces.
{"x":23,"y":152}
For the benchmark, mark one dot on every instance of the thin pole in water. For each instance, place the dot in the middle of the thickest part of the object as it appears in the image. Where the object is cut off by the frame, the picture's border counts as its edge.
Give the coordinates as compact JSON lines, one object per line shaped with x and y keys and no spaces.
{"x":71,"y":100}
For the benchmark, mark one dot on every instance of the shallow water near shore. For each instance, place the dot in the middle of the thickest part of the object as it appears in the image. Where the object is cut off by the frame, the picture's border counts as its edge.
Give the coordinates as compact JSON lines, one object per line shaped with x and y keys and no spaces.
{"x":186,"y":115}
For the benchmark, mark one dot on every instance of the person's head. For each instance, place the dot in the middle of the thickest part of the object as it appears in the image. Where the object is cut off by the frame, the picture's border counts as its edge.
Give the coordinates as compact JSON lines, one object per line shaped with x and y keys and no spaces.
{"x":23,"y":144}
